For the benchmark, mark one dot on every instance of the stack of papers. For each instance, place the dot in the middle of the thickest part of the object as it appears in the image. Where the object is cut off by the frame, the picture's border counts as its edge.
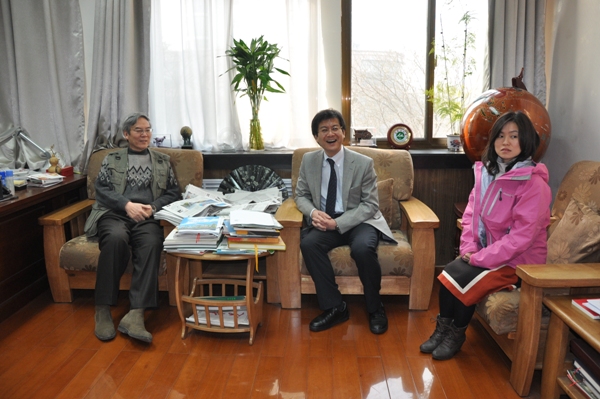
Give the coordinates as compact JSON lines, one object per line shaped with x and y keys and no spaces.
{"x":44,"y":179}
{"x":199,"y":202}
{"x":195,"y":235}
{"x":176,"y":211}
{"x":254,"y":230}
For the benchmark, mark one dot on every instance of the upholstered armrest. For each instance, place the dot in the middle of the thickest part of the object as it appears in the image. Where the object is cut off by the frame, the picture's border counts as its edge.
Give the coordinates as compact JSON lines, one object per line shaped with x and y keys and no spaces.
{"x":288,"y":214}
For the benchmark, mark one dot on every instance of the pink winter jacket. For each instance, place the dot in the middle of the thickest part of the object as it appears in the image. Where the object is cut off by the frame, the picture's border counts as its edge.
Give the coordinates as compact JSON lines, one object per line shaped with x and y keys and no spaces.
{"x":515,"y":212}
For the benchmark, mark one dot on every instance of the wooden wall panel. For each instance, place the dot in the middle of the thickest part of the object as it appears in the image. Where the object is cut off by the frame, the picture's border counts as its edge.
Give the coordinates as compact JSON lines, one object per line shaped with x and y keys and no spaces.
{"x":440,"y":189}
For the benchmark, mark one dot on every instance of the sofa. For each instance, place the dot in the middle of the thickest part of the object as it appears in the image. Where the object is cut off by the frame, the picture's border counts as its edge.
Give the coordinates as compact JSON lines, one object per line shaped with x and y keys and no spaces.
{"x":407,"y":267}
{"x":72,"y":258}
{"x":573,"y":238}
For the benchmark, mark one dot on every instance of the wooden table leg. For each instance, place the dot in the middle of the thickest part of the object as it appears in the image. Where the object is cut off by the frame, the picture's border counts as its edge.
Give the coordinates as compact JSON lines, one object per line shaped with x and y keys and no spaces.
{"x":179,"y":274}
{"x":528,"y":336}
{"x":273,"y":278}
{"x":554,"y":357}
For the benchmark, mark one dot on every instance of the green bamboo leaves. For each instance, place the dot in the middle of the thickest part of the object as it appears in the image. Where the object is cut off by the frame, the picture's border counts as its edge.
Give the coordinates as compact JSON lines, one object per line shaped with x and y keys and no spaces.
{"x":254,"y":65}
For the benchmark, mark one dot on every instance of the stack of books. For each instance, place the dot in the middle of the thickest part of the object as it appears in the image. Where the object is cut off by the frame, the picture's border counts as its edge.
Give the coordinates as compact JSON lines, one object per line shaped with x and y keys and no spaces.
{"x":586,"y":372}
{"x":196,"y":234}
{"x":253,"y":230}
{"x":589,"y":307}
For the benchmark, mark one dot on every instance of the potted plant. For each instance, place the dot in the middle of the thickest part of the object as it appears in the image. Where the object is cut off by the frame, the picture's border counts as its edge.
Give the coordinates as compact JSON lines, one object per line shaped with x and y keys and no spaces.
{"x":448,"y":96}
{"x":255,"y":65}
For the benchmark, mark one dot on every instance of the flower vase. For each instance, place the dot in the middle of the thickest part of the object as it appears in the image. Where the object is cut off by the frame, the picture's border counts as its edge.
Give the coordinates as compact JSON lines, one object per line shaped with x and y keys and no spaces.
{"x":256,"y":141}
{"x":453,"y":142}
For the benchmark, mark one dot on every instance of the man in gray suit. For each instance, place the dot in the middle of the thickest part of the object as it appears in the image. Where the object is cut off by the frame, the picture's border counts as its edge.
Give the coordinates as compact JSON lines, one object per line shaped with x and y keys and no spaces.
{"x":337,"y":194}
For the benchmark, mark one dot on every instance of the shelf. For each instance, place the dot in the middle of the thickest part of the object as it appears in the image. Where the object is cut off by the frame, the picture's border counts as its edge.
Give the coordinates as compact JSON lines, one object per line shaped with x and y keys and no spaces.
{"x":571,"y":390}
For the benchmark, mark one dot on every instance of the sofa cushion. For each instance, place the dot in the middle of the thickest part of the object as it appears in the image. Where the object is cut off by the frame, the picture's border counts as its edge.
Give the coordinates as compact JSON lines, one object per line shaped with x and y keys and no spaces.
{"x":576,"y":237}
{"x":385,"y":190}
{"x":501,"y":311}
{"x":81,"y":254}
{"x":582,"y":182}
{"x":395,"y":260}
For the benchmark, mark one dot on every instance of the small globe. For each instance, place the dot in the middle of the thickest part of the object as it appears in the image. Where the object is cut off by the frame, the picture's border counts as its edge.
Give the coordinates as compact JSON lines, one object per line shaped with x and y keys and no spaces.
{"x":481,"y":115}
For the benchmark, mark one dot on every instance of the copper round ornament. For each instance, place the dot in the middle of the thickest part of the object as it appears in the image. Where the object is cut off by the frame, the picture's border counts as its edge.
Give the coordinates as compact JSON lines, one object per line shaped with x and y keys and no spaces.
{"x":481,"y":115}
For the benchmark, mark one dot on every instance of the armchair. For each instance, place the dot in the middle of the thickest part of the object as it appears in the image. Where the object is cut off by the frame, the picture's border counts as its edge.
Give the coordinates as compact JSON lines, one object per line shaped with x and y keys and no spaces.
{"x":72,"y":258}
{"x":516,"y":320}
{"x":407,"y":268}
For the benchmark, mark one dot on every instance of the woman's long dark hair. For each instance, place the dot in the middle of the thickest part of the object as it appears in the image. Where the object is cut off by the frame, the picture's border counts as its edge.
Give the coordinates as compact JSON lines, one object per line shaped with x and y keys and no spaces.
{"x":529,"y":140}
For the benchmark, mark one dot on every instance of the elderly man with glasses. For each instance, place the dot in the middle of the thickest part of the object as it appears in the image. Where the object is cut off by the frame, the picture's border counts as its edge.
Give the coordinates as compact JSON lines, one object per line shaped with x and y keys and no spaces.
{"x":133,"y":183}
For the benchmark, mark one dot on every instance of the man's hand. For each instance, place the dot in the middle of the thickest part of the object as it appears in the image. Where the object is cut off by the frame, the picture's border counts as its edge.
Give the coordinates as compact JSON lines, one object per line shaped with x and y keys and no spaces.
{"x":323,"y":221}
{"x":138,"y":212}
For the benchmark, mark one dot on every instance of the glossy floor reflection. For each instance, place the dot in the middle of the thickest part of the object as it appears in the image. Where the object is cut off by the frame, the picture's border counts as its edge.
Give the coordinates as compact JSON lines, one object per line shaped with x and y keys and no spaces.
{"x":49,"y":350}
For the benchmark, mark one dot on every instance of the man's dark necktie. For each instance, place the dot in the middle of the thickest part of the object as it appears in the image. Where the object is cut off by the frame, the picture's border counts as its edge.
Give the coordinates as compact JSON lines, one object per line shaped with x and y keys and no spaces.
{"x":331,"y":190}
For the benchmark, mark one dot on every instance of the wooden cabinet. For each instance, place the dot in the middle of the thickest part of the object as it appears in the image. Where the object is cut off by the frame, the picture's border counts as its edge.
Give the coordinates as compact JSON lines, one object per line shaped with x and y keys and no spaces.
{"x":22,"y":267}
{"x":565,"y":318}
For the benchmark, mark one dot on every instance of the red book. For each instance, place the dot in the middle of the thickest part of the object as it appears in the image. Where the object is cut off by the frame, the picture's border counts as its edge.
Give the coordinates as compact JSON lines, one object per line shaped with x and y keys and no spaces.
{"x":579,"y":303}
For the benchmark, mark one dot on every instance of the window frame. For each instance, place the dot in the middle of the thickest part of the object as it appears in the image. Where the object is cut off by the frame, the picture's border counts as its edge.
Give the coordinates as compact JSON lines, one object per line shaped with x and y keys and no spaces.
{"x":429,"y":141}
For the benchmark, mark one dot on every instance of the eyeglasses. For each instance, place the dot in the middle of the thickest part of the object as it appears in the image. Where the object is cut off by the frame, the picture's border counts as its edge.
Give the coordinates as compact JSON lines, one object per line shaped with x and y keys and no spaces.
{"x":140,"y":131}
{"x":333,"y":129}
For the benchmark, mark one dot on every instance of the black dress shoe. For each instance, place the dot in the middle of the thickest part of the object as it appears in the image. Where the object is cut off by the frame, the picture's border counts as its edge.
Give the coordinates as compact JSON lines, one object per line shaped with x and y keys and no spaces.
{"x":330,"y":318}
{"x":378,"y":322}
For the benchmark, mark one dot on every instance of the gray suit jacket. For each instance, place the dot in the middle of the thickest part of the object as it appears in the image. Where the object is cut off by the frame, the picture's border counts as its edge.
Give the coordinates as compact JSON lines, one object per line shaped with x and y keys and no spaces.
{"x":359,"y":191}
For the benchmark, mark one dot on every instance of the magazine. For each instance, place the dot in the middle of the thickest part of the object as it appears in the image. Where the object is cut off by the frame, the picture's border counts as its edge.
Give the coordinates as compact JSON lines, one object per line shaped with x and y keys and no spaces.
{"x":242,"y":314}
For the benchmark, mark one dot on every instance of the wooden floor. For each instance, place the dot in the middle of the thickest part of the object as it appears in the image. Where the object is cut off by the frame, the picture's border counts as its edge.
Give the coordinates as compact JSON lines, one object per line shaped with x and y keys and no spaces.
{"x":49,"y":350}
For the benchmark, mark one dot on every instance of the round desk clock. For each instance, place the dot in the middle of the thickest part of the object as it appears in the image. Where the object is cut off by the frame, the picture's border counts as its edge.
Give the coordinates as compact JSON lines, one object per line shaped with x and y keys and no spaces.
{"x":400,"y":136}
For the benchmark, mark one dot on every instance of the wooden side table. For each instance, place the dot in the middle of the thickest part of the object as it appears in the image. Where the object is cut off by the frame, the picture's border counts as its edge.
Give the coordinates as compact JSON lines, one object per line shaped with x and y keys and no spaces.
{"x":202,"y":294}
{"x":563,"y":319}
{"x":534,"y":279}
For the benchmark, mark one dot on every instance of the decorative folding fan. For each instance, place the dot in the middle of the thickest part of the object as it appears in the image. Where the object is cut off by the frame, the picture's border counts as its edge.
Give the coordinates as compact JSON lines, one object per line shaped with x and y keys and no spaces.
{"x":252,"y":178}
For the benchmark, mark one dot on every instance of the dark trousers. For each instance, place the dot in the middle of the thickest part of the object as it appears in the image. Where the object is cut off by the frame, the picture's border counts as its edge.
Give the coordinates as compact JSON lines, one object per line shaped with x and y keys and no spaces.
{"x":119,"y":239}
{"x":363,"y":240}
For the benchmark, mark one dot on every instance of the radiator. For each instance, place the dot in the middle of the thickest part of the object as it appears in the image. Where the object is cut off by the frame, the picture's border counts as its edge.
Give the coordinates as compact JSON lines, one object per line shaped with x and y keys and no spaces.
{"x":213,"y":184}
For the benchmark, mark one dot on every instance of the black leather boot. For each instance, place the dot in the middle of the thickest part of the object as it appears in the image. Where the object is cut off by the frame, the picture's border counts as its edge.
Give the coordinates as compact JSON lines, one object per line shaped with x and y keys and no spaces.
{"x":453,"y":341}
{"x":441,"y":326}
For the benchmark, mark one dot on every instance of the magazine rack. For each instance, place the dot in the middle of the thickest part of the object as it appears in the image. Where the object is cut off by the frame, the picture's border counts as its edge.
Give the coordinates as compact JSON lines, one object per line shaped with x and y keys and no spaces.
{"x":227,"y":301}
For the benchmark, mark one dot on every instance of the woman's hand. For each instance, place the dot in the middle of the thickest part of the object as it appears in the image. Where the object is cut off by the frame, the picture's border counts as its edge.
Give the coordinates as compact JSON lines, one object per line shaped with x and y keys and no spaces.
{"x":467,"y":257}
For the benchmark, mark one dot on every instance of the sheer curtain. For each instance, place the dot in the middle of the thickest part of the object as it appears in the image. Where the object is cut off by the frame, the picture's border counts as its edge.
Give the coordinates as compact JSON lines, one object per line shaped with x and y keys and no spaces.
{"x":188,"y":85}
{"x":517,"y":41}
{"x":41,"y":80}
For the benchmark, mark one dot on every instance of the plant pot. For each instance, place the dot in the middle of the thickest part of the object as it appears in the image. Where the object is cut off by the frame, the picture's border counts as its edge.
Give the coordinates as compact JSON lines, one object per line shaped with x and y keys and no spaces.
{"x":256,"y":140}
{"x":453,"y":142}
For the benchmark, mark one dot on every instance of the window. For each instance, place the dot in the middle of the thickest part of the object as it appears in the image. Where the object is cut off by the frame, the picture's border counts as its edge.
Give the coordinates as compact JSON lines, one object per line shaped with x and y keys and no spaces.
{"x":391,"y":75}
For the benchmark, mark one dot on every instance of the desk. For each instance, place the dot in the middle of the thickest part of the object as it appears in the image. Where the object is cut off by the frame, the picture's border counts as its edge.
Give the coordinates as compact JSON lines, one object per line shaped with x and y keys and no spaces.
{"x":534,"y":279}
{"x":188,"y":299}
{"x":23,"y":274}
{"x":563,"y":319}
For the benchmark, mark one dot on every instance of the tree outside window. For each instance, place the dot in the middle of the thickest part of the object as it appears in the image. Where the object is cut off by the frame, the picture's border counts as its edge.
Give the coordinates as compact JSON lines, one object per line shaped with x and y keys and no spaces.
{"x":391,"y":78}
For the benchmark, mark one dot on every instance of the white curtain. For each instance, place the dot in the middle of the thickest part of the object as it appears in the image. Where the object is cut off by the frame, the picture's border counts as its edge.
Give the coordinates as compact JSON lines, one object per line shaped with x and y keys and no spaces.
{"x":517,"y":41}
{"x":41,"y":81}
{"x":188,"y":85}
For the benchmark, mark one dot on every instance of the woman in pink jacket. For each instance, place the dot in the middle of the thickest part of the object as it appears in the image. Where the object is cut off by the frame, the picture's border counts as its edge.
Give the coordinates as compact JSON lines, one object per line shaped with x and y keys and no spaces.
{"x":504,"y":224}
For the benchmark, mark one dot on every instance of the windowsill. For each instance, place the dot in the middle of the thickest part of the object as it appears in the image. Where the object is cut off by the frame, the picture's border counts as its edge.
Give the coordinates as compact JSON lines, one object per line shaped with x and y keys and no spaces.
{"x":438,"y":158}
